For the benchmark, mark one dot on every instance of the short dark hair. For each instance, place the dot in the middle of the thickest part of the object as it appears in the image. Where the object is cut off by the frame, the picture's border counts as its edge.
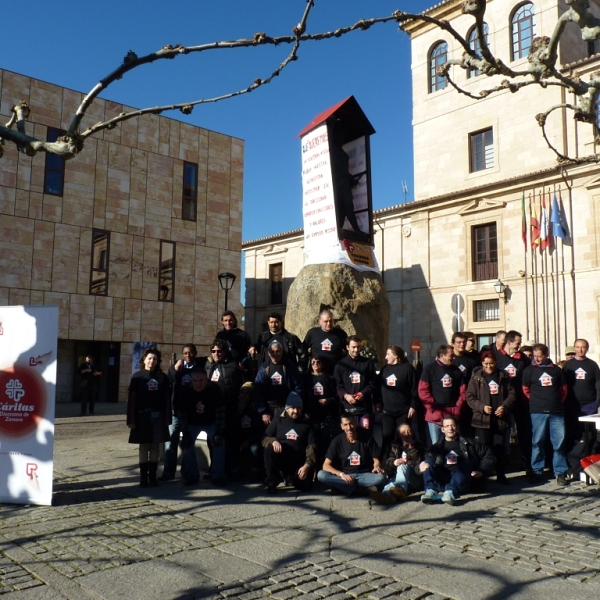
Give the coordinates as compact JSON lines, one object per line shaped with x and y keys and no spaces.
{"x":353,"y":338}
{"x":450,"y":418}
{"x":512,"y":335}
{"x":470,"y":335}
{"x":458,"y":334}
{"x":151,"y":350}
{"x":275,"y":315}
{"x":542,"y":348}
{"x":230,"y":313}
{"x":443,"y":350}
{"x":577,"y":340}
{"x":191,"y":347}
{"x":500,"y":332}
{"x":198,"y":373}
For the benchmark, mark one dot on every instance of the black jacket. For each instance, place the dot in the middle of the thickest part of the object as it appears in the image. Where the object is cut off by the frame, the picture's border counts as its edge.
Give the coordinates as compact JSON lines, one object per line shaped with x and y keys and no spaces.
{"x":228,"y":376}
{"x":478,"y":397}
{"x":293,"y":348}
{"x":481,"y":457}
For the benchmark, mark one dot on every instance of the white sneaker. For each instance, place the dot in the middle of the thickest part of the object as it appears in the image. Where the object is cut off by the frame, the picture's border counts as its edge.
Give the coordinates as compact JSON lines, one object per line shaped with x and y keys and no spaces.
{"x":448,"y":497}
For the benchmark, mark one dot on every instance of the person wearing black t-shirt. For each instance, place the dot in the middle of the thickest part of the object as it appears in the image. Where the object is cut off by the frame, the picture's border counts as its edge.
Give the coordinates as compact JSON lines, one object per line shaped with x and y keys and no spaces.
{"x":290,"y":446}
{"x":514,"y":362}
{"x":352,"y":463}
{"x":491,"y":396}
{"x":466,"y":364}
{"x":545,"y":387}
{"x":442,"y":390}
{"x":355,"y":376}
{"x":326,"y":341}
{"x":274,"y":382}
{"x":237,"y":339}
{"x":582,"y":375}
{"x":451,"y":463}
{"x":90,"y":373}
{"x":397,"y":384}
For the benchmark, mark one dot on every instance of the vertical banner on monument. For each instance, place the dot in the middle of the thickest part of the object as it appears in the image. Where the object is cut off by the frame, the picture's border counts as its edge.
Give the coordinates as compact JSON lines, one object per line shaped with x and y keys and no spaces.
{"x":28,"y":352}
{"x":336,"y":188}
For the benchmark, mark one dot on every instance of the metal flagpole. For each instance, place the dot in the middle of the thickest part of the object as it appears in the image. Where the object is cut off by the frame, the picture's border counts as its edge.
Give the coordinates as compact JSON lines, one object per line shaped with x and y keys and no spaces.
{"x":525,"y":238}
{"x":555,"y":282}
{"x":533,"y":274}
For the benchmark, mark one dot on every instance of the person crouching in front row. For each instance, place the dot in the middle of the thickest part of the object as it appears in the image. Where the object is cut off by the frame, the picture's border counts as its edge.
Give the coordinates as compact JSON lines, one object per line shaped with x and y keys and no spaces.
{"x":451,"y":463}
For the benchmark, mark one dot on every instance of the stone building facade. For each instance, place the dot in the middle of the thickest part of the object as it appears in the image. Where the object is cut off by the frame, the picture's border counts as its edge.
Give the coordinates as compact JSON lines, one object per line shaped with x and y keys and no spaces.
{"x":474,"y":162}
{"x":127,"y":238}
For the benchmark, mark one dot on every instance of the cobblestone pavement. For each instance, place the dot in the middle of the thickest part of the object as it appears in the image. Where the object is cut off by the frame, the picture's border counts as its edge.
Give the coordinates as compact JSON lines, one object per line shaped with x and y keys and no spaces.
{"x":103,"y":538}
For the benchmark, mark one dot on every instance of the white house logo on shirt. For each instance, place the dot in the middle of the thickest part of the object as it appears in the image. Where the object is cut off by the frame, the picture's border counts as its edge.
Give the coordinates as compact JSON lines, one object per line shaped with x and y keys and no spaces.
{"x":580,"y":373}
{"x":391,"y":380}
{"x":354,"y":459}
{"x":546,"y":380}
{"x":354,"y":377}
{"x":186,"y":379}
{"x":493,"y":387}
{"x":152,"y":385}
{"x":215,"y":376}
{"x":291,"y":435}
{"x":318,"y":389}
{"x":511,"y":370}
{"x":446,"y":381}
{"x":451,"y":458}
{"x":276,"y":379}
{"x":462,"y":368}
{"x":326,"y":345}
{"x":246,"y":422}
{"x":200,"y":407}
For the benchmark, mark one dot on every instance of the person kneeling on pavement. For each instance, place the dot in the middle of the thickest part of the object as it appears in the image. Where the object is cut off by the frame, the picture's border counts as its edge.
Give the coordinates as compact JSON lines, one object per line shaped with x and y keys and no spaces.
{"x":352,"y":463}
{"x":290,"y":446}
{"x":202,"y":409}
{"x":451,"y":463}
{"x":402,"y":466}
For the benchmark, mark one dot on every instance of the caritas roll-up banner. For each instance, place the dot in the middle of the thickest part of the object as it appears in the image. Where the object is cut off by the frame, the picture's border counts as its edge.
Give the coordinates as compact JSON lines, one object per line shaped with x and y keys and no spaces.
{"x":28,"y":340}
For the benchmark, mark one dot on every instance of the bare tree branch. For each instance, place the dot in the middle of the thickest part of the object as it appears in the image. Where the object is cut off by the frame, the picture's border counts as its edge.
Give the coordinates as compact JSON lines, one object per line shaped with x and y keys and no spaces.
{"x":541,"y":70}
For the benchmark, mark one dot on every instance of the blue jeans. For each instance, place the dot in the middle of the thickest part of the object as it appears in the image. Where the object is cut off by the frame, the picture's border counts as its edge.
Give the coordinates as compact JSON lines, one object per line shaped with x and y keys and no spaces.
{"x":438,"y":478}
{"x":541,"y":424}
{"x":171,"y":446}
{"x":407,"y":478}
{"x":189,"y":464}
{"x":362,"y":480}
{"x":435,"y":432}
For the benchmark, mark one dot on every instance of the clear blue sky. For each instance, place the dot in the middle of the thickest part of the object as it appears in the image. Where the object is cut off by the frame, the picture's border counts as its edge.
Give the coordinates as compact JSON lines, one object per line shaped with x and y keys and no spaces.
{"x":74,"y":44}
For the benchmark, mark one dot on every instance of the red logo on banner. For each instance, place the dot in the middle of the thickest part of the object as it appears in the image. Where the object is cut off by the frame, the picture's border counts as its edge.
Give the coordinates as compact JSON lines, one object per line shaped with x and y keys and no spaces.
{"x":30,"y":469}
{"x":22,"y":400}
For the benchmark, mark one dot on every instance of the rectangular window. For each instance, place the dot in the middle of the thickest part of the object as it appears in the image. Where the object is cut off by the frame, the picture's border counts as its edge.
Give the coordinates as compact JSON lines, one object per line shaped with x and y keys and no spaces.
{"x":100,"y":257}
{"x":276,"y":282}
{"x":166,"y":272}
{"x":481,"y":150}
{"x":486,"y":310}
{"x":54,"y":172}
{"x":485,"y":252}
{"x":189,"y":201}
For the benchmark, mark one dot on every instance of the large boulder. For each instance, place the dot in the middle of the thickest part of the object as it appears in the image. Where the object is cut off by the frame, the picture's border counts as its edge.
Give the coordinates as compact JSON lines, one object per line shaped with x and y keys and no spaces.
{"x":357,"y":299}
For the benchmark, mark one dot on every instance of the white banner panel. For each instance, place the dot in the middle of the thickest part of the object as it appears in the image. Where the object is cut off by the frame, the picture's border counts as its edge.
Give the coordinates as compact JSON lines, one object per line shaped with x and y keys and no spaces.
{"x":28,"y":348}
{"x":318,"y":206}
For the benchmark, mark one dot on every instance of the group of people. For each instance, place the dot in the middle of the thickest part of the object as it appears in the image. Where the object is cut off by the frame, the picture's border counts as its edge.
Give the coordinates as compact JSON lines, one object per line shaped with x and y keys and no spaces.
{"x":295,"y":412}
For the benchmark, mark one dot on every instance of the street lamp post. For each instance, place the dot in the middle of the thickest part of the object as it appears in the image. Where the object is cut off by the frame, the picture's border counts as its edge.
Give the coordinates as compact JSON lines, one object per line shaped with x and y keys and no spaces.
{"x":226,"y":281}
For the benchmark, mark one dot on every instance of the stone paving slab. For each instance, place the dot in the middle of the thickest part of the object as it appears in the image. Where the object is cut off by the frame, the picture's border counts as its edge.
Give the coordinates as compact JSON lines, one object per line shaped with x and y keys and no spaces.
{"x":105,"y":538}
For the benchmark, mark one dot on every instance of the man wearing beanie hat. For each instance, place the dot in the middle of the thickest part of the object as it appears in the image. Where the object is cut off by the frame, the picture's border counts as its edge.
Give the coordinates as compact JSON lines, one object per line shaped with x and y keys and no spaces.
{"x":290,"y":446}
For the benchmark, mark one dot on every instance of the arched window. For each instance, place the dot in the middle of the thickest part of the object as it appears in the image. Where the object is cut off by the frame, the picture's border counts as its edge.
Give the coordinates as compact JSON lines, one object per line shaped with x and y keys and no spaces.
{"x":522,"y":30}
{"x":437,"y":57}
{"x":476,"y":46}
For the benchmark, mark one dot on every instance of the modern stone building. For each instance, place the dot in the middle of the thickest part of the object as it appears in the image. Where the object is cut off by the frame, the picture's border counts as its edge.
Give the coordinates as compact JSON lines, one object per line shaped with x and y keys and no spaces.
{"x":127,"y":238}
{"x":474,"y":162}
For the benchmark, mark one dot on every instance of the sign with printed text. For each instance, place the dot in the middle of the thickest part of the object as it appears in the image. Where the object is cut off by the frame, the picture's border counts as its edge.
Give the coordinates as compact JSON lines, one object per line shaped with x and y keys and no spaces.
{"x":28,"y":350}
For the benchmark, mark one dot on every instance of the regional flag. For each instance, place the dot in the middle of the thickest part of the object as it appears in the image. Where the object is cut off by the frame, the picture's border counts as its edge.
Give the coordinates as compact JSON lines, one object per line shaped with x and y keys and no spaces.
{"x":535,"y":225}
{"x":544,"y":226}
{"x":559,"y":222}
